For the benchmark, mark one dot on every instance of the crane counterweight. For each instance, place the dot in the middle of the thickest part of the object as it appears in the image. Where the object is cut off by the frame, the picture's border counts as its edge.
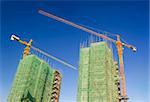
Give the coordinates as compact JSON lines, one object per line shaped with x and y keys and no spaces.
{"x":14,"y":37}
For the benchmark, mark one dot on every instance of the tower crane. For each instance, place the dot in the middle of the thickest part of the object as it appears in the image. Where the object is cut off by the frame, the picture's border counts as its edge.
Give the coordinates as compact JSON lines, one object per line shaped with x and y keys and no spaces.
{"x":29,"y":46}
{"x":119,"y":45}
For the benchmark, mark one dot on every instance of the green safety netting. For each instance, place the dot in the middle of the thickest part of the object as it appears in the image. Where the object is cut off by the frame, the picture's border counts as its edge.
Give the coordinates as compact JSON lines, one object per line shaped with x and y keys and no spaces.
{"x":97,"y":71}
{"x":33,"y":81}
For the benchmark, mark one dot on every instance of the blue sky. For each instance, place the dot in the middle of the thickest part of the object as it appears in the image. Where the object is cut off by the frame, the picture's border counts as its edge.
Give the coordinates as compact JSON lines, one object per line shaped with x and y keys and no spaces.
{"x":130,"y":19}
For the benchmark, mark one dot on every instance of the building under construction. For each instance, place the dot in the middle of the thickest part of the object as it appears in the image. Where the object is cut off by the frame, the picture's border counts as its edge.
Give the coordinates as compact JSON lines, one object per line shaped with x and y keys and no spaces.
{"x":104,"y":62}
{"x":98,"y":74}
{"x":35,"y":81}
{"x":99,"y":79}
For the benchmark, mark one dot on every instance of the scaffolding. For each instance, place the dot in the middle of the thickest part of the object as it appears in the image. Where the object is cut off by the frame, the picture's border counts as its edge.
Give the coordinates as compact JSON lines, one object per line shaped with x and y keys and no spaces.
{"x":97,"y":74}
{"x":83,"y":75}
{"x":33,"y":81}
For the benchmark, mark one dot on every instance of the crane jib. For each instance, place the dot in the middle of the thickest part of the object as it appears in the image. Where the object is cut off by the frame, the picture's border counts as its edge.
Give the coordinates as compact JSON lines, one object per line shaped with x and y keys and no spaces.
{"x":75,"y":25}
{"x":83,"y":28}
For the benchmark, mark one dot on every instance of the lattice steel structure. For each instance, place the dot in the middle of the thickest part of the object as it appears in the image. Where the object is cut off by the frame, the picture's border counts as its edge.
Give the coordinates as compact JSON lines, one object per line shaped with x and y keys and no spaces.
{"x":35,"y":81}
{"x":98,"y":77}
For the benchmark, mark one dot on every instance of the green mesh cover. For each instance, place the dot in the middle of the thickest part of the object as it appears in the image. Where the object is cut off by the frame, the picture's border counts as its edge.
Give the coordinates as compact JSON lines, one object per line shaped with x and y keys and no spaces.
{"x":83,"y":75}
{"x":96,"y":74}
{"x":33,"y":81}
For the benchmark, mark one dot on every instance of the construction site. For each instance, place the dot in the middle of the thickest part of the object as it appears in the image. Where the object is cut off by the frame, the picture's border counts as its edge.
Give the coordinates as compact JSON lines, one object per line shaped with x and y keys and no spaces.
{"x":100,"y":77}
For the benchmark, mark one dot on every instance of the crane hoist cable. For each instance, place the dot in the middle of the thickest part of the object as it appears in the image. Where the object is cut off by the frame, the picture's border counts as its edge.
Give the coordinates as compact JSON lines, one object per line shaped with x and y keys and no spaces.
{"x":119,"y":45}
{"x":27,"y":51}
